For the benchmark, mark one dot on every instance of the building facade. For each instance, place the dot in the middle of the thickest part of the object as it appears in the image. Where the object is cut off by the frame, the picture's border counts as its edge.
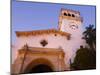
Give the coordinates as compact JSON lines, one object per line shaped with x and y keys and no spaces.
{"x":51,"y":48}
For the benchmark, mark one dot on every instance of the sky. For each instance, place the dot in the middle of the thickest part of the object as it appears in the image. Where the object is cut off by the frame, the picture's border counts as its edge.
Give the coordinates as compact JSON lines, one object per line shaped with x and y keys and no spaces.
{"x":27,"y":16}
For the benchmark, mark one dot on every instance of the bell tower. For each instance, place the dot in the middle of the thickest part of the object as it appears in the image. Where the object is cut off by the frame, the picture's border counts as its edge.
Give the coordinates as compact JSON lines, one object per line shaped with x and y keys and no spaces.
{"x":70,"y":21}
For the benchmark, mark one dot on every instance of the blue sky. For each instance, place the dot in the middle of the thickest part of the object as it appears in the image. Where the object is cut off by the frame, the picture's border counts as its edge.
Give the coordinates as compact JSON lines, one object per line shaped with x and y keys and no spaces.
{"x":28,"y":16}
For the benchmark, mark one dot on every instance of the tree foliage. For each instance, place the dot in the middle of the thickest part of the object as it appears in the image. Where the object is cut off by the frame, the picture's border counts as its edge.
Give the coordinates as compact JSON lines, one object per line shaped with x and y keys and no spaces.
{"x":85,"y":59}
{"x":90,"y":36}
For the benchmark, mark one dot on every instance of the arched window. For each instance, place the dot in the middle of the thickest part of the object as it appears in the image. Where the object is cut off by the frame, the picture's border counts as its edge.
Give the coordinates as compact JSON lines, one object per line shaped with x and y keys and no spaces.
{"x":65,"y":14}
{"x":73,"y":15}
{"x":69,"y":14}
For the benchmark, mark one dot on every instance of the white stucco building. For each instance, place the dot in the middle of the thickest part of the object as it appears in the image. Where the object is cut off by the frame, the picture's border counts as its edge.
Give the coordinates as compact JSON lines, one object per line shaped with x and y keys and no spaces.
{"x":68,"y":38}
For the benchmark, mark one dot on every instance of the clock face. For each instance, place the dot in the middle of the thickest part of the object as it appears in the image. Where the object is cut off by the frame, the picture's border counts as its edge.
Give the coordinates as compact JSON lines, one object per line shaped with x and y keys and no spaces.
{"x":70,"y":25}
{"x":73,"y":26}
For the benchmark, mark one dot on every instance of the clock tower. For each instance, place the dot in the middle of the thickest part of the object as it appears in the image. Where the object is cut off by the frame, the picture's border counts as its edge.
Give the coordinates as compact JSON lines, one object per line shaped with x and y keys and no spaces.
{"x":70,"y":21}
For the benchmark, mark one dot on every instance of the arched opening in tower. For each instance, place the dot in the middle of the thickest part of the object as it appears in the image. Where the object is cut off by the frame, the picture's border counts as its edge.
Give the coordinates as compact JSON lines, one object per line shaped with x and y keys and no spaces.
{"x":41,"y":68}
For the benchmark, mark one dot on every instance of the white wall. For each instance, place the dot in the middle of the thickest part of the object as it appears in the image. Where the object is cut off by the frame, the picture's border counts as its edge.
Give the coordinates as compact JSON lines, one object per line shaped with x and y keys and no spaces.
{"x":76,"y":35}
{"x":69,"y":46}
{"x":53,"y":42}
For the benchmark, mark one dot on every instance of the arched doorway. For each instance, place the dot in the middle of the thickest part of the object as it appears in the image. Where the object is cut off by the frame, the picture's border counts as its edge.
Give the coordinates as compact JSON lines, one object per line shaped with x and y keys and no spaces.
{"x":41,"y":68}
{"x":40,"y":65}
